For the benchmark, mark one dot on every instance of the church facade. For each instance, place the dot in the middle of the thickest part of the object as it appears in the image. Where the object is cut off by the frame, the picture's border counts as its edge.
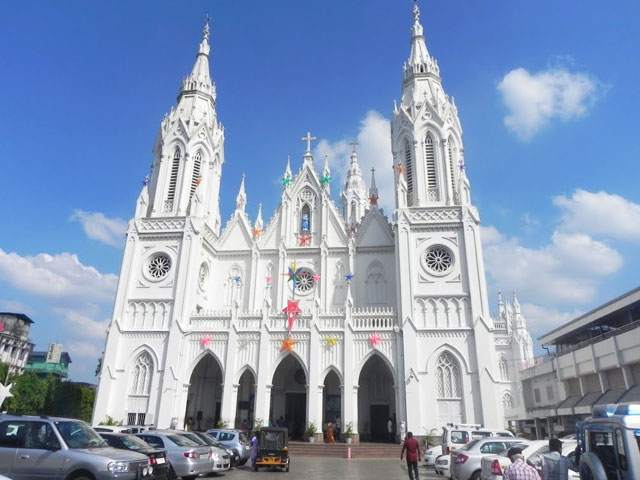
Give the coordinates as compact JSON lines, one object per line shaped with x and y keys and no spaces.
{"x":325,"y":311}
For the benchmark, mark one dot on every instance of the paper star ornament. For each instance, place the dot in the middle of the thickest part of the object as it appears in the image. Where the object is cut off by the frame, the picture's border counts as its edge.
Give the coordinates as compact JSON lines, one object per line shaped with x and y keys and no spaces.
{"x":287,"y":344}
{"x":400,"y":168}
{"x":268,"y":278}
{"x":205,"y":341}
{"x":257,"y":232}
{"x":146,"y":180}
{"x":373,"y":200}
{"x":461,"y":166}
{"x":374,"y":339}
{"x":293,"y":274}
{"x":305,"y":240}
{"x":237,"y":279}
{"x":5,"y":392}
{"x":332,"y":341}
{"x":349,"y":277}
{"x":326,"y":179}
{"x":316,"y":278}
{"x":286,"y":181}
{"x":292,"y":309}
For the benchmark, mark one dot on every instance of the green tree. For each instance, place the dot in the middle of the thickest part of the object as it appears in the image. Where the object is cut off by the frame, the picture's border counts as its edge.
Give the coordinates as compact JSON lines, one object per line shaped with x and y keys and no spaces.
{"x":29,"y":395}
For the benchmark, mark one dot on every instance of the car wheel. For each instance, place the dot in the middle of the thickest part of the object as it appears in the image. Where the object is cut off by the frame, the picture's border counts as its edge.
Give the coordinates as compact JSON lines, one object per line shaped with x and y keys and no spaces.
{"x":476,"y":475}
{"x":172,"y":474}
{"x":255,"y":469}
{"x":82,"y":477}
{"x":287,"y":469}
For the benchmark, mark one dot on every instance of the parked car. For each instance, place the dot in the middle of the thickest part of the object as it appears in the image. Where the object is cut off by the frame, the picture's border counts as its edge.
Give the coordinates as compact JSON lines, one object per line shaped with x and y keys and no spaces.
{"x":431,"y":455}
{"x":187,"y":459}
{"x":443,"y":466}
{"x":39,"y":447}
{"x":455,"y":435}
{"x":233,"y":456}
{"x":532,"y":450}
{"x":466,"y":461}
{"x":235,"y":439}
{"x":157,"y":456}
{"x":120,"y":428}
{"x":221,"y":459}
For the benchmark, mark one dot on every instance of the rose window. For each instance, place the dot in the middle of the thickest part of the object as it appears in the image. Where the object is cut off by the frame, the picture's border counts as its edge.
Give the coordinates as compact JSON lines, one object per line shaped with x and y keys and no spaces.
{"x":304,"y":282}
{"x":159,"y":266}
{"x":438,"y":259}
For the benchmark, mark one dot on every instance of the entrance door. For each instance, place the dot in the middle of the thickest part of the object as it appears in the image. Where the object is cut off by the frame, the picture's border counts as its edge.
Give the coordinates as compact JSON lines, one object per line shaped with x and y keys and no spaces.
{"x":295,"y":407}
{"x":378,"y":419}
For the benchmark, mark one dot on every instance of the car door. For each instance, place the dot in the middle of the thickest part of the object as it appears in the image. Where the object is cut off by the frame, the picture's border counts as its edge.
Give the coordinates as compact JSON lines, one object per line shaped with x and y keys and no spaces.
{"x":39,"y":454}
{"x":11,"y":432}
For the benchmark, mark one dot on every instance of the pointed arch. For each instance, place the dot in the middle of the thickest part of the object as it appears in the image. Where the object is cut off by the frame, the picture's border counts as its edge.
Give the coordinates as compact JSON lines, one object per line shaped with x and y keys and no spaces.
{"x":430,"y":163}
{"x":328,"y":370}
{"x":196,"y":174}
{"x":503,"y":368}
{"x":200,"y":357}
{"x":141,"y":374}
{"x":507,"y":401}
{"x":173,"y":178}
{"x":145,"y":347}
{"x":247,"y":368}
{"x":282,"y":357}
{"x":447,"y":347}
{"x":448,"y":377}
{"x":384,"y":358}
{"x":305,"y":218}
{"x":408,"y":170}
{"x":376,"y":284}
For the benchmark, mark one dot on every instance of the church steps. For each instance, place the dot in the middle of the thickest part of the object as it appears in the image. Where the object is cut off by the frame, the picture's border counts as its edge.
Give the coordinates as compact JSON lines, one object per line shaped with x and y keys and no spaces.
{"x":340,"y":450}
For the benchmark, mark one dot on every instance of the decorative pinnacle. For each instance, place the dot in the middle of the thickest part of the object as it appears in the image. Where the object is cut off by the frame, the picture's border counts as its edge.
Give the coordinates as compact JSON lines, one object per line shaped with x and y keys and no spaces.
{"x":206,"y":30}
{"x":416,"y":11}
{"x":354,"y":144}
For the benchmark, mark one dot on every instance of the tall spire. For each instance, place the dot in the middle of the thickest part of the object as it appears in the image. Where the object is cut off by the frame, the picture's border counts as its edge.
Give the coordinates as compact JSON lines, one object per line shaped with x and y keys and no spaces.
{"x":373,"y":189}
{"x":354,"y":195}
{"x":259,"y":225}
{"x":241,"y":199}
{"x":420,"y":62}
{"x":199,"y":79}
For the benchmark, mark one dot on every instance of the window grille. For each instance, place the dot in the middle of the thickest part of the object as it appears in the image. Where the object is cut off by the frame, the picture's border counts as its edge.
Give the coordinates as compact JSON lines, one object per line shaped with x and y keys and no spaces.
{"x":430,"y":158}
{"x":173,"y":179}
{"x":408,"y":168}
{"x":507,"y":401}
{"x":197,"y":164}
{"x":451,"y":166}
{"x":131,"y":419}
{"x":141,"y":417}
{"x":504,"y":369}
{"x":141,"y":379}
{"x":448,"y":377}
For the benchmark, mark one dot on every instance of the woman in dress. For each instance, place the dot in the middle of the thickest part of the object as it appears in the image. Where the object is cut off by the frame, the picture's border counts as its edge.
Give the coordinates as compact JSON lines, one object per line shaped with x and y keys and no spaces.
{"x":330,"y":438}
{"x":254,"y":449}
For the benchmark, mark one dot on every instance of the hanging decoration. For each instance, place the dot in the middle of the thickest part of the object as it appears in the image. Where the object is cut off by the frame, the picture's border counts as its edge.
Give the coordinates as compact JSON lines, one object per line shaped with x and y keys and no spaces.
{"x":237,"y":279}
{"x":146,"y":181}
{"x":1,"y":326}
{"x":352,"y":229}
{"x":286,"y":180}
{"x":257,"y":232}
{"x":292,"y":309}
{"x":287,"y":344}
{"x":268,"y":278}
{"x":293,"y":272}
{"x":5,"y":392}
{"x":305,"y":240}
{"x":348,"y":277}
{"x":325,"y":180}
{"x":198,"y":181}
{"x":374,"y":339}
{"x":461,"y":166}
{"x":316,"y":278}
{"x":373,"y":200}
{"x":331,"y":341}
{"x":205,"y":341}
{"x":400,"y":168}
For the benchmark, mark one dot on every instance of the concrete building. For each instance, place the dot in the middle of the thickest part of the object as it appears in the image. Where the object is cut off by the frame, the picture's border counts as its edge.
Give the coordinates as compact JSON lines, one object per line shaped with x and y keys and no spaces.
{"x":14,"y":340}
{"x":596,"y":362}
{"x":39,"y":363}
{"x":393,"y":317}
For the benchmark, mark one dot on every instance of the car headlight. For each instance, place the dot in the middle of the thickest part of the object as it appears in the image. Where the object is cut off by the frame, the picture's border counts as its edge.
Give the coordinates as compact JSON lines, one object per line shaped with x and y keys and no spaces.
{"x":216,"y":457}
{"x":118,"y":467}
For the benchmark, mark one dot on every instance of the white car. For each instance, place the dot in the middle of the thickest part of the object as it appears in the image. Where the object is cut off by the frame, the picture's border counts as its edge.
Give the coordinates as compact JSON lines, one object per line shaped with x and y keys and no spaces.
{"x":431,"y":455}
{"x":443,"y":466}
{"x":493,"y":465}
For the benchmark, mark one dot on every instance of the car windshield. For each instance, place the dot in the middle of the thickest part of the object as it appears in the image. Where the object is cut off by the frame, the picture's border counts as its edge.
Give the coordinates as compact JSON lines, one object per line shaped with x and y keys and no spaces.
{"x":194,"y":438}
{"x":134,"y":443}
{"x":79,"y":435}
{"x":470,"y":445}
{"x":209,"y":439}
{"x":182,"y":441}
{"x":459,"y":437}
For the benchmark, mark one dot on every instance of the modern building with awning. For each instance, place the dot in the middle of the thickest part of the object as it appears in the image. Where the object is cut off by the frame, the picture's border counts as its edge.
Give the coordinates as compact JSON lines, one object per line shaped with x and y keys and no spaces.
{"x":595,"y":360}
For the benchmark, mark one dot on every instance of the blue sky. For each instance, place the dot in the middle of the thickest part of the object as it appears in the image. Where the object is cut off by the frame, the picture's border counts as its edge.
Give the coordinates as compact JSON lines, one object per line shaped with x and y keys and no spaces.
{"x":547,"y":94}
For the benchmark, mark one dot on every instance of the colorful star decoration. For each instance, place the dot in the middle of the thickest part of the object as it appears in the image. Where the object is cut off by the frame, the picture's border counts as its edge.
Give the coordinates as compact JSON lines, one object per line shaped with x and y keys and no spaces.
{"x":400,"y":168}
{"x":373,"y":200}
{"x":461,"y":166}
{"x":305,"y":240}
{"x":286,"y":181}
{"x":1,"y":326}
{"x":198,"y":181}
{"x":268,"y":278}
{"x":292,"y":309}
{"x":293,"y":272}
{"x":374,"y":339}
{"x":352,"y":229}
{"x":332,"y":341}
{"x":257,"y":232}
{"x":146,"y":180}
{"x":237,"y":279}
{"x":348,"y":277}
{"x":205,"y":341}
{"x":287,"y":344}
{"x":326,"y":179}
{"x":316,"y":278}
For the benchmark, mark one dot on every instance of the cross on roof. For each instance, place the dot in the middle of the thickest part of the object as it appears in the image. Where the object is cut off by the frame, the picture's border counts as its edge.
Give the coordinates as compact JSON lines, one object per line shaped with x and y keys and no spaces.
{"x":308,"y":139}
{"x":354,"y":144}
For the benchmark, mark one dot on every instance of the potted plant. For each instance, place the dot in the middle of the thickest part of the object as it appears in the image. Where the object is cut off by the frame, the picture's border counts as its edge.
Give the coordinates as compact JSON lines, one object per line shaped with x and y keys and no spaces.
{"x":311,"y":431}
{"x":348,"y":432}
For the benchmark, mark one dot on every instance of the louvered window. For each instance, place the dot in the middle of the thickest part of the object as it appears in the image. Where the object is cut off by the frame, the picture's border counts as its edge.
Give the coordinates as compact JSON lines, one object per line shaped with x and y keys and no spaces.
{"x":173,"y":179}
{"x":195,"y":179}
{"x":452,"y":167}
{"x":430,"y":158}
{"x":408,"y":168}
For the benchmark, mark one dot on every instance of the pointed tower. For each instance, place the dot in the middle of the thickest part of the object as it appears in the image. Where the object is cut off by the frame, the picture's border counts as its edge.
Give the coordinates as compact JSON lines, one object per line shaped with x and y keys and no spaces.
{"x":353,"y":197}
{"x":241,"y":198}
{"x":442,"y":298}
{"x":373,"y":189}
{"x":189,"y":149}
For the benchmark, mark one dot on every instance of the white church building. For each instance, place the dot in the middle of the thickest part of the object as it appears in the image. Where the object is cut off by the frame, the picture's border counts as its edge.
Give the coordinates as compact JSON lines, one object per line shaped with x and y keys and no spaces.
{"x":394,"y":317}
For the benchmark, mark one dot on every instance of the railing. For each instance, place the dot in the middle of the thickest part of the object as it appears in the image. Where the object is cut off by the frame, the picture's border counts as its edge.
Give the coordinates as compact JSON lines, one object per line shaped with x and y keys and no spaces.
{"x":599,"y":338}
{"x":331,"y":322}
{"x":376,"y":323}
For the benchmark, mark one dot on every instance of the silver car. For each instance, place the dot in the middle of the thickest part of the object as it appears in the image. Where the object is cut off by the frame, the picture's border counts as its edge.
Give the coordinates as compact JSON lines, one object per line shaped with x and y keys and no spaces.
{"x":220,"y":456}
{"x":187,"y":459}
{"x":34,"y":448}
{"x":234,"y":439}
{"x":466,"y":462}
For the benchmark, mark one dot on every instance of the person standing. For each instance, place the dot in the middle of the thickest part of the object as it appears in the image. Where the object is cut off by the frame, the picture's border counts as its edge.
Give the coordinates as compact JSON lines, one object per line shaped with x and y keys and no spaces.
{"x":254,"y":449}
{"x":390,"y":429}
{"x":556,"y":466}
{"x":518,"y":470}
{"x":412,"y":448}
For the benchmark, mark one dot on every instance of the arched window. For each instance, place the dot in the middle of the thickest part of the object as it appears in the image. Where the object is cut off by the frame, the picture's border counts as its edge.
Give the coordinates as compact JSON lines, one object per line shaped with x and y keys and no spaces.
{"x":376,"y":286}
{"x":305,"y":219}
{"x":408,"y":168}
{"x":141,"y":375}
{"x":173,"y":179}
{"x":195,"y":178}
{"x":448,"y":377}
{"x":507,"y":401}
{"x":503,"y":368}
{"x":430,"y":160}
{"x":452,"y":166}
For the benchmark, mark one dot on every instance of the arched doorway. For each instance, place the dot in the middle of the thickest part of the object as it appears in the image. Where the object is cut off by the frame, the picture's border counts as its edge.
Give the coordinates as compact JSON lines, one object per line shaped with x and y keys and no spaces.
{"x":332,"y":403}
{"x":205,"y":395}
{"x":376,"y":401}
{"x":289,"y":397}
{"x":246,"y":400}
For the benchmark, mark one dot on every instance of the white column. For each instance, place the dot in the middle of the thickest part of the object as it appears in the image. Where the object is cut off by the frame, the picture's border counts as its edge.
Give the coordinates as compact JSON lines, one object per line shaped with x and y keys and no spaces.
{"x":263,"y":381}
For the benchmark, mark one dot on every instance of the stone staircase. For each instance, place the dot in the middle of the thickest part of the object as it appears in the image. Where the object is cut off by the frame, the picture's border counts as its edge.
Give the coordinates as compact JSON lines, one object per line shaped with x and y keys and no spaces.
{"x":340,"y":450}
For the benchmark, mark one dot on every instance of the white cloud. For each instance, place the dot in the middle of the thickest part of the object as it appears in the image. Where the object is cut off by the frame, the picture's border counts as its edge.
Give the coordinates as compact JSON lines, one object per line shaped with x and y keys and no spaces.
{"x":16,"y":306}
{"x":85,"y":350}
{"x":79,"y":321}
{"x":374,"y":150}
{"x":61,"y":276}
{"x":96,"y":226}
{"x":541,"y":319}
{"x":533,"y":100}
{"x":600,"y":213}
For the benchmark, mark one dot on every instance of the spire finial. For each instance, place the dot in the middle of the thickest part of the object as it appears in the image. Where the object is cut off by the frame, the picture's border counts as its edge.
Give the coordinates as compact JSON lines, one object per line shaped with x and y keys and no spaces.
{"x":416,"y":11}
{"x":354,"y":144}
{"x":308,"y":139}
{"x":206,"y":30}
{"x":241,"y":199}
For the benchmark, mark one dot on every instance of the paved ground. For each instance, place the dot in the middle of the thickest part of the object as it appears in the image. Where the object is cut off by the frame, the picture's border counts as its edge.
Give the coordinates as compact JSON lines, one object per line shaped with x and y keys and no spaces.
{"x":333,"y":469}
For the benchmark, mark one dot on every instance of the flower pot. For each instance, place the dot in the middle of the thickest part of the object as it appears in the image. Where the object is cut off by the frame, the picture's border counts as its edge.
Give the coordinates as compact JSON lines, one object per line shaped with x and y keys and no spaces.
{"x":312,"y":439}
{"x":349,"y":439}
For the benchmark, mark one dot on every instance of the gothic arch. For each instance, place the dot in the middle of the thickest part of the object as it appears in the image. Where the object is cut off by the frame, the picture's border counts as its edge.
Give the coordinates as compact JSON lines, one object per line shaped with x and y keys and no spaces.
{"x":244,"y":369}
{"x":282,"y":356}
{"x":147,"y":348}
{"x":432,"y":359}
{"x":384,"y":358}
{"x":508,"y":401}
{"x":141,"y":373}
{"x":334,"y":369}
{"x":201,"y":356}
{"x":503,"y":368}
{"x":375,"y":284}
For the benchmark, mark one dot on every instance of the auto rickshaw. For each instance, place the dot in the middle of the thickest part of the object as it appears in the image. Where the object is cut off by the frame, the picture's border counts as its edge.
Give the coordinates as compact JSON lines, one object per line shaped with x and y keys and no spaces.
{"x":273,"y":449}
